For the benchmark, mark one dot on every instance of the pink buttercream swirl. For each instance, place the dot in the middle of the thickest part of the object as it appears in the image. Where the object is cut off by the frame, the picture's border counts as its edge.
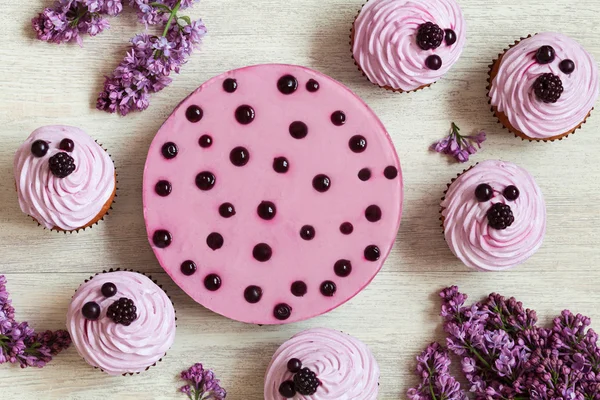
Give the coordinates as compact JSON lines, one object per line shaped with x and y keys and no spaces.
{"x":67,"y":203}
{"x":385,"y":41}
{"x":466,"y":227}
{"x":344,"y":365}
{"x":512,"y":87}
{"x":115,"y":348}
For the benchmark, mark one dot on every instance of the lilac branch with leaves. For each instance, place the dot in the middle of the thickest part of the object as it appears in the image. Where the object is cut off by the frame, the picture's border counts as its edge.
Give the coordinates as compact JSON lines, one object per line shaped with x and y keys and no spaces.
{"x":458,"y":146}
{"x":202,"y":384}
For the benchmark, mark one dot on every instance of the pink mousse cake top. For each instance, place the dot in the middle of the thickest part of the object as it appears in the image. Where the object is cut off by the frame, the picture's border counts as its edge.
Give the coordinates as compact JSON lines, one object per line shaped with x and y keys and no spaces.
{"x":272,"y":194}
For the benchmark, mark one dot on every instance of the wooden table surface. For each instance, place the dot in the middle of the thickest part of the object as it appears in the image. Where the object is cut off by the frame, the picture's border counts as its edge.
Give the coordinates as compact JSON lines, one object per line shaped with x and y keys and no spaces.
{"x":397,"y":315}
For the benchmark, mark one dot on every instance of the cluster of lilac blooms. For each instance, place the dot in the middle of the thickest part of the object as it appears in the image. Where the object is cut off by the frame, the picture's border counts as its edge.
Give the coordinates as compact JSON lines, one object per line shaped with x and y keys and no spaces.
{"x":150,"y":60}
{"x":202,"y":384}
{"x":19,"y":343}
{"x":504,"y":355}
{"x":458,"y":146}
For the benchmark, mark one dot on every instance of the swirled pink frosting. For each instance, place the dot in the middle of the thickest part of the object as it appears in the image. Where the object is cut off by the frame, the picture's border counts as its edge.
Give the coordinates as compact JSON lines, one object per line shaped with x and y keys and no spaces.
{"x":385,"y":41}
{"x":67,"y":203}
{"x":344,"y":365}
{"x":466,"y":227}
{"x":512,"y":93}
{"x":115,"y":348}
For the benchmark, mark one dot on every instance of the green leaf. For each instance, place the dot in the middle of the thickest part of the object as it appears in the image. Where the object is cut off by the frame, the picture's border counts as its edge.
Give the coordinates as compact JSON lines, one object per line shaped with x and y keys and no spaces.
{"x":186,"y":19}
{"x":162,"y":6}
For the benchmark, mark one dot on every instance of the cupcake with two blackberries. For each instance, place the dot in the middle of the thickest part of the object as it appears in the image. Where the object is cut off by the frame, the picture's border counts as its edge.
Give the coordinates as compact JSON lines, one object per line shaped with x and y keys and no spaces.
{"x":65,"y":180}
{"x":121,"y":322}
{"x":322,"y":364}
{"x":494,"y":216}
{"x":543,"y":87}
{"x":407,"y":45}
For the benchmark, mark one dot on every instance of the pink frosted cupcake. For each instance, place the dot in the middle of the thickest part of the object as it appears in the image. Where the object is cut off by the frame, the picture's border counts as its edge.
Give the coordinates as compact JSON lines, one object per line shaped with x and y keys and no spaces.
{"x":322,"y":364}
{"x":494,"y":216}
{"x":406,"y":45}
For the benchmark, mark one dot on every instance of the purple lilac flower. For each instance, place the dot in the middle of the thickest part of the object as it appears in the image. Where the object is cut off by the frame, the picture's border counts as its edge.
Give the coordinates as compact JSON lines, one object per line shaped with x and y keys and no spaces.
{"x":202,"y":384}
{"x":458,"y":146}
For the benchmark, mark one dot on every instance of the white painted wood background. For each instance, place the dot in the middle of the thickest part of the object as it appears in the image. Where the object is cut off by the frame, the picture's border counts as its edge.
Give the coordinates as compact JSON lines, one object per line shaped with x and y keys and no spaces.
{"x":397,"y":315}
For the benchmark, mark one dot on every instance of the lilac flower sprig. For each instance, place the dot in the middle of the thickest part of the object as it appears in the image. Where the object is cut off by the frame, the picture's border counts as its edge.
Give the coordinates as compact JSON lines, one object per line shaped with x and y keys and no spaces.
{"x":148,"y":64}
{"x":18,"y":341}
{"x":458,"y":146}
{"x":202,"y":384}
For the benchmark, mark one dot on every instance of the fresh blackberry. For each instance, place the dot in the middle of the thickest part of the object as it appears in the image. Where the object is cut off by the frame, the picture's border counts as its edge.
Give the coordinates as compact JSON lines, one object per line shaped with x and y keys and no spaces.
{"x":62,"y":165}
{"x":548,"y":88}
{"x":306,"y":382}
{"x":500,"y":216}
{"x":429,"y":36}
{"x":122,"y":311}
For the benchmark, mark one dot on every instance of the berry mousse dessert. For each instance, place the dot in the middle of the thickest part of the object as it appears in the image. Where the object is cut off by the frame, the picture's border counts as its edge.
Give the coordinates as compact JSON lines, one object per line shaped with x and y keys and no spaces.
{"x":407,"y":45}
{"x":65,"y":180}
{"x":543,"y":87}
{"x":494,"y":216}
{"x":272,"y":194}
{"x":322,"y":364}
{"x":121,"y":322}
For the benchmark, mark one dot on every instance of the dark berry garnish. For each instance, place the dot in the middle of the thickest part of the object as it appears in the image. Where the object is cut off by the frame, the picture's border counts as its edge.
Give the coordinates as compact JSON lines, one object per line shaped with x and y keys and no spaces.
{"x":433,"y":62}
{"x":511,"y":193}
{"x":67,"y":145}
{"x":109,"y":289}
{"x":282,"y":311}
{"x":212,"y":282}
{"x":287,"y":84}
{"x":229,"y":85}
{"x":450,"y":37}
{"x":429,"y":36}
{"x":545,"y":54}
{"x":312,"y":85}
{"x":188,"y":268}
{"x":373,"y":213}
{"x":91,"y":311}
{"x":226,"y":210}
{"x":328,"y":288}
{"x":306,"y":382}
{"x":205,"y":141}
{"x":484,"y":192}
{"x":567,"y":66}
{"x":253,"y":294}
{"x":364,"y":174}
{"x":298,"y":130}
{"x":205,"y":180}
{"x":338,"y":118}
{"x":245,"y":114}
{"x":500,"y":216}
{"x":390,"y":172}
{"x":194,"y":113}
{"x":62,"y":165}
{"x":321,"y":183}
{"x":122,"y":311}
{"x":346,"y":228}
{"x":287,"y":390}
{"x":169,"y":150}
{"x":39,"y":148}
{"x":262,"y":252}
{"x":294,"y":365}
{"x":307,"y":232}
{"x":215,"y":241}
{"x":266,"y":210}
{"x":161,"y":238}
{"x":163,"y":188}
{"x":239,"y":156}
{"x":548,"y":88}
{"x":281,"y":165}
{"x":357,"y":143}
{"x":372,"y":253}
{"x":298,"y":288}
{"x":342,"y":268}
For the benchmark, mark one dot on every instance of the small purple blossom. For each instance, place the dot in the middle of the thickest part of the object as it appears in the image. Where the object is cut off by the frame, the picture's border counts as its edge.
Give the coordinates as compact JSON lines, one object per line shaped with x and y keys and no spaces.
{"x":202,"y":384}
{"x":458,"y":146}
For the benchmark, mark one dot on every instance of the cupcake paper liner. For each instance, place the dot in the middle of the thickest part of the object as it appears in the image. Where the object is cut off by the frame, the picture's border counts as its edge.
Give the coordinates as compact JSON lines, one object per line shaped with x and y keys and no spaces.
{"x":503,"y":119}
{"x":446,"y":191}
{"x":156,"y":283}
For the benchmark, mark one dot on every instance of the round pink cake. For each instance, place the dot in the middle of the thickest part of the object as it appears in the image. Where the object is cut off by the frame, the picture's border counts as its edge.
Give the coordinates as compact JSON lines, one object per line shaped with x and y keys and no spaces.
{"x":272,"y":194}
